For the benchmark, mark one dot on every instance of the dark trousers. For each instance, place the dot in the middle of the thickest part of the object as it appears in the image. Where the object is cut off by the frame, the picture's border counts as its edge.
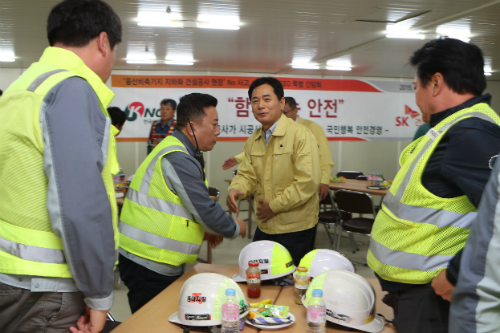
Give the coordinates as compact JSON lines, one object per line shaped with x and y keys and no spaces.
{"x":298,"y":243}
{"x":24,"y":311}
{"x":143,"y":284}
{"x":419,"y":310}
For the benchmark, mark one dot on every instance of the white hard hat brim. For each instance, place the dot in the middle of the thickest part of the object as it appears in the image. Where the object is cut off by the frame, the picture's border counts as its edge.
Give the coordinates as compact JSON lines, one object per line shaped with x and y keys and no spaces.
{"x":175,"y":319}
{"x":375,"y":326}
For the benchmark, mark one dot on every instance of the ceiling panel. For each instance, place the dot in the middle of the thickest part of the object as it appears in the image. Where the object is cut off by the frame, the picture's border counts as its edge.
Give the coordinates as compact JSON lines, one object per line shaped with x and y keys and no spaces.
{"x":273,"y":34}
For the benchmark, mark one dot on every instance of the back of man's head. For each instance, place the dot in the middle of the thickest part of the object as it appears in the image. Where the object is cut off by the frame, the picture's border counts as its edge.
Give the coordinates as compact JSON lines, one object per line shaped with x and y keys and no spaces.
{"x":191,"y":106}
{"x":291,"y":102}
{"x":168,"y":101}
{"x":76,"y":22}
{"x":118,"y":117}
{"x":460,"y":63}
{"x":273,"y":82}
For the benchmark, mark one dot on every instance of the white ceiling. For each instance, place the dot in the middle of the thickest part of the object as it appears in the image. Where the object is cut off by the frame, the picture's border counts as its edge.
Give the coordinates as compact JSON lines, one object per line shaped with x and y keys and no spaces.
{"x":273,"y":33}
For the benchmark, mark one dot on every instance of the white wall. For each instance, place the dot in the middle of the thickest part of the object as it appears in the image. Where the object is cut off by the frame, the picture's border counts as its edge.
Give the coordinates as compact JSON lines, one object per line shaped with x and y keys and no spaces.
{"x":362,"y":156}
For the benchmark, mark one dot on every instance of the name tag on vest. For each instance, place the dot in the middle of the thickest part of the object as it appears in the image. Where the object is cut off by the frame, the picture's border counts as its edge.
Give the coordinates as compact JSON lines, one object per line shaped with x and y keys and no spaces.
{"x":432,"y":133}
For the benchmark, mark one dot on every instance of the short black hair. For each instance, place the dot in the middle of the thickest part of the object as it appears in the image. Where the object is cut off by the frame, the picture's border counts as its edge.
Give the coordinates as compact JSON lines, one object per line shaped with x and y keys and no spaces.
{"x":168,"y":101}
{"x":291,"y":102}
{"x":76,"y":22}
{"x":460,"y":63}
{"x":191,"y":106}
{"x":1,"y":92}
{"x":118,"y":117}
{"x":273,"y":82}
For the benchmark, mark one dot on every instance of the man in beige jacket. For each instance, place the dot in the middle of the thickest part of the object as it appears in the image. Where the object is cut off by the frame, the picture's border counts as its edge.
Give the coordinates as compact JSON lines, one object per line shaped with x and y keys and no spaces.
{"x":280,"y":167}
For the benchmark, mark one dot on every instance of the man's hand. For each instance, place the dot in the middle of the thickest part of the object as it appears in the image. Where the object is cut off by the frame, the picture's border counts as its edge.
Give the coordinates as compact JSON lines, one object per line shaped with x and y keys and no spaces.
{"x":92,"y":322}
{"x":229,"y":163}
{"x":231,"y":200}
{"x":323,"y":191}
{"x":243,"y":227}
{"x":442,"y":286}
{"x":264,"y":212}
{"x":213,"y":240}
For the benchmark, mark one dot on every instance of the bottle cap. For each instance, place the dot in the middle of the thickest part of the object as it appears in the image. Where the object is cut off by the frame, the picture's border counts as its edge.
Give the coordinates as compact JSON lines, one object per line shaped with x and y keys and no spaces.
{"x":253,"y":263}
{"x":302,"y":269}
{"x":230,"y":292}
{"x":316,"y":293}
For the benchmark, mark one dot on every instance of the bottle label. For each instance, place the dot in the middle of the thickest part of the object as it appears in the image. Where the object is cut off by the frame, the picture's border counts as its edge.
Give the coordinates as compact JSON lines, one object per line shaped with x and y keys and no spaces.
{"x":230,"y":312}
{"x":253,"y":278}
{"x":316,"y":317}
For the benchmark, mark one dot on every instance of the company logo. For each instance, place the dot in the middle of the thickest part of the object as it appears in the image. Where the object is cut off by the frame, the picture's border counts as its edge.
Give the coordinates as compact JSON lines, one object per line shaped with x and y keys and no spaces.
{"x":410,"y":115}
{"x":197,"y":298}
{"x":137,"y":110}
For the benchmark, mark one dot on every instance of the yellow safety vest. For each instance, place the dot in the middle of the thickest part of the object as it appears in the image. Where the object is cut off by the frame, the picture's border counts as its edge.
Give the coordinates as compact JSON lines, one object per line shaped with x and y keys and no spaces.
{"x":28,"y":243}
{"x":416,"y":233}
{"x":154,"y":223}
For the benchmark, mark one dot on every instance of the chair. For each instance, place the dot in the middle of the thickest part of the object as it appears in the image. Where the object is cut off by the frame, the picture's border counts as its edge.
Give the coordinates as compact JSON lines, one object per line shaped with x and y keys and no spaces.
{"x":361,"y":177}
{"x":350,"y":174}
{"x":359,"y":203}
{"x":331,"y":217}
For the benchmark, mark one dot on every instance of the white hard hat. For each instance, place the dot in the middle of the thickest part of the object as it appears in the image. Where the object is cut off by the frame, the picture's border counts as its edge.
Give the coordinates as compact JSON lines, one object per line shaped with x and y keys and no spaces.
{"x":201,"y":299}
{"x":274,"y":260}
{"x":322,"y":260}
{"x":349,"y":300}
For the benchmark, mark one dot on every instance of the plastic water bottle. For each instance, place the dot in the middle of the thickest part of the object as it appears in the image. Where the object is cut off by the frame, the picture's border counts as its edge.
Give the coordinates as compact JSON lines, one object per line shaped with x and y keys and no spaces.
{"x":316,"y":312}
{"x":230,"y":312}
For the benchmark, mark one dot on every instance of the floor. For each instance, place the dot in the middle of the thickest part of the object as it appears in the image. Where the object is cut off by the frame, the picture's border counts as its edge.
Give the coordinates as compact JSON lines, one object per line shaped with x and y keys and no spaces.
{"x":228,"y":251}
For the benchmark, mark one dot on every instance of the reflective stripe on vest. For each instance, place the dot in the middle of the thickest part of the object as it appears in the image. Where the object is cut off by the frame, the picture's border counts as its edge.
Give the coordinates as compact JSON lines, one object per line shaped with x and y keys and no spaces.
{"x":32,"y":253}
{"x":158,"y":241}
{"x":157,"y":204}
{"x":419,"y":267}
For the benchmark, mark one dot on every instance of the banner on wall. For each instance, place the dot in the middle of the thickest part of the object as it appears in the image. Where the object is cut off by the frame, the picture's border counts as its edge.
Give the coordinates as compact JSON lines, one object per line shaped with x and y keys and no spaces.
{"x":348,"y":110}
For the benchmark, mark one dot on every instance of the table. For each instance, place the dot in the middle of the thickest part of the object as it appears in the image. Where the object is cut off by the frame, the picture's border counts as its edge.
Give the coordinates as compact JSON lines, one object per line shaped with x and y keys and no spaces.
{"x":250,"y":208}
{"x":356,"y":185}
{"x":153,"y":317}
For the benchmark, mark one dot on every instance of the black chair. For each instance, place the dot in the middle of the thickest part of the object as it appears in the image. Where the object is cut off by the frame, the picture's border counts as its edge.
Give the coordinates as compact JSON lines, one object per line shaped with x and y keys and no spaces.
{"x":362,"y":177}
{"x":330,"y":216}
{"x":350,"y":174}
{"x":358,"y":203}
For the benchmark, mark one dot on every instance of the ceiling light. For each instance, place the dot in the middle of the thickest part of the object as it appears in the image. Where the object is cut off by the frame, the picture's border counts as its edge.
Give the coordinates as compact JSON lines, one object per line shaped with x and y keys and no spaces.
{"x":406,"y":35}
{"x":339,"y":64}
{"x":7,"y":55}
{"x":487,"y":73}
{"x":487,"y":66}
{"x":224,"y":22}
{"x":159,"y":19}
{"x":402,"y":30}
{"x":306,"y":66}
{"x":182,"y":60}
{"x":456,"y":31}
{"x":141,"y":62}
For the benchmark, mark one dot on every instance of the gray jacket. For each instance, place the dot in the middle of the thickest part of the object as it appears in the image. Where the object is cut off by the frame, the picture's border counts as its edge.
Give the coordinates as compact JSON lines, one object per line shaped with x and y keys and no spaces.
{"x":76,"y":134}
